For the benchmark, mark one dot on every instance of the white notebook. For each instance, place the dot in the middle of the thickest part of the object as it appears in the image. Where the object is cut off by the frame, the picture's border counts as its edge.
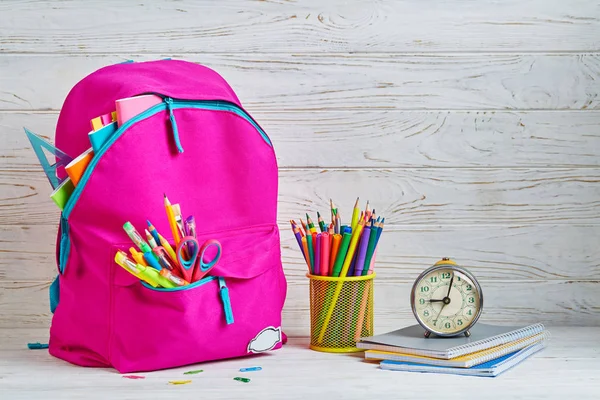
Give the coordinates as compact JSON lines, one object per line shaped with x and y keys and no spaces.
{"x":410,"y":340}
{"x":491,"y":368}
{"x":466,"y":361}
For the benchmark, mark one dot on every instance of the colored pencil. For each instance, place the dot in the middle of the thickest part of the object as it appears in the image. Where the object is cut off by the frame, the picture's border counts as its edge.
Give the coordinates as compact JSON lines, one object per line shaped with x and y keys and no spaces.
{"x":355,"y":215}
{"x":296,"y":231}
{"x":153,"y":231}
{"x":362,"y":251}
{"x":352,"y":248}
{"x":310,"y":224}
{"x":304,"y":227}
{"x":362,"y":312}
{"x":305,"y":248}
{"x":321,"y":222}
{"x":171,"y":218}
{"x":370,"y":247}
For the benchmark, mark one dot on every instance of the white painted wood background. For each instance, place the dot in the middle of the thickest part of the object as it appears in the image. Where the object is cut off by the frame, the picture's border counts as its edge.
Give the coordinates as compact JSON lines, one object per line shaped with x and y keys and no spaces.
{"x":473,"y":127}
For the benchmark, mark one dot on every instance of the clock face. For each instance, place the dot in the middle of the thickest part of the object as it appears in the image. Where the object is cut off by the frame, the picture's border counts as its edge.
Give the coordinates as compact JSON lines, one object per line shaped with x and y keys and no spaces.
{"x":446,"y":300}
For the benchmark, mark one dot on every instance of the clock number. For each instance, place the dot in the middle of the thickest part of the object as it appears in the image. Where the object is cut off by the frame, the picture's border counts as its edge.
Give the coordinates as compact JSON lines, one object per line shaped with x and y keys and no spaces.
{"x":458,"y":278}
{"x":447,"y":325}
{"x":471,"y":300}
{"x":469,"y":287}
{"x":470,"y":312}
{"x":433,"y":279}
{"x":421,"y":301}
{"x":426,"y":313}
{"x":460,"y":322}
{"x":424,"y":289}
{"x":446,"y":275}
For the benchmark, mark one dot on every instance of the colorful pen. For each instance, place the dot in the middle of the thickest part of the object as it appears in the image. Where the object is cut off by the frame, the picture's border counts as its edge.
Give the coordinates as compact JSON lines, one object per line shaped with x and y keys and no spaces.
{"x":189,"y":229}
{"x":163,"y":257}
{"x":135,"y":236}
{"x":325,"y":252}
{"x":138,"y":257}
{"x":172,"y":278}
{"x":317,"y":269}
{"x":139,"y":271}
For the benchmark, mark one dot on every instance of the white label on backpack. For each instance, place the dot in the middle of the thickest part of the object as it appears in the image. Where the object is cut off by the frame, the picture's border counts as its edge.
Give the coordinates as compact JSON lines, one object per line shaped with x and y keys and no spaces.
{"x":265,"y":340}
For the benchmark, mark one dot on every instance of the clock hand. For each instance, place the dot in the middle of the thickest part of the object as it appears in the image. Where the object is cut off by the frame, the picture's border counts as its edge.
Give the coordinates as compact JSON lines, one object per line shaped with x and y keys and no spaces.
{"x":450,"y":285}
{"x":436,"y":318}
{"x":432,"y":300}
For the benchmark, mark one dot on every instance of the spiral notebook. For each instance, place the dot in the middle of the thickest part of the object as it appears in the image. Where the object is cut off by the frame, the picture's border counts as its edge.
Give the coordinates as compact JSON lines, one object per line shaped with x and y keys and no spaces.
{"x":490,"y":369}
{"x":466,"y":361}
{"x":410,"y":340}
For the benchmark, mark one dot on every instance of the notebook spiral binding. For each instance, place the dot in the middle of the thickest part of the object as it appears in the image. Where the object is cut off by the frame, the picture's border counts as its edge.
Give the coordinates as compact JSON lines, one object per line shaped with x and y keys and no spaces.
{"x":510,"y":348}
{"x":495,"y":341}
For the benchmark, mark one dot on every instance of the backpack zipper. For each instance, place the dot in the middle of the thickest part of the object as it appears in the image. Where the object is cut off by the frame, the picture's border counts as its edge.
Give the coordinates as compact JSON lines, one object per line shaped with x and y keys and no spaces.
{"x":223,"y":293}
{"x":168,"y":103}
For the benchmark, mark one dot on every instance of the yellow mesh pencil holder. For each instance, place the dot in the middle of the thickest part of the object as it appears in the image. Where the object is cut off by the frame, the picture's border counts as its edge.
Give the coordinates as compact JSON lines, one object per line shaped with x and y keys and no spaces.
{"x":341,"y":312}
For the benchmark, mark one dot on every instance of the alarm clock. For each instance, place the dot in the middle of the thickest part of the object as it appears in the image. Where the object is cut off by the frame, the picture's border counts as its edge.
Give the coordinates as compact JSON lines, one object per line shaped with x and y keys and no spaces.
{"x":446,"y":299}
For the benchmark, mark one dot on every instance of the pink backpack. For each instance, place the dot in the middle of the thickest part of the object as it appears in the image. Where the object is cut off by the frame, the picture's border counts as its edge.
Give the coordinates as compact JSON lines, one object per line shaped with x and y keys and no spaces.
{"x":207,"y":153}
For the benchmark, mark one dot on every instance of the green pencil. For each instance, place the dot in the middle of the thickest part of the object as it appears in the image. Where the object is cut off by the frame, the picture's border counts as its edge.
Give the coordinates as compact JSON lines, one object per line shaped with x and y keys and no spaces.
{"x":371,"y":246}
{"x":341,"y":256}
{"x":311,"y":253}
{"x":321,"y":222}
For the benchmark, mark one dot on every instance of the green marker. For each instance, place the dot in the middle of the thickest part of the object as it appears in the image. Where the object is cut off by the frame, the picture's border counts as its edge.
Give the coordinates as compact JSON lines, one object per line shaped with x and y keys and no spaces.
{"x":311,"y":254}
{"x":341,"y":256}
{"x":375,"y":232}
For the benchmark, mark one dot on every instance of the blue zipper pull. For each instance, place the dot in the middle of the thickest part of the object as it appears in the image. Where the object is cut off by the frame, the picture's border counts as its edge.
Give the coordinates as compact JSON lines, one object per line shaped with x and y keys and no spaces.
{"x":169,"y":102}
{"x":224,"y":291}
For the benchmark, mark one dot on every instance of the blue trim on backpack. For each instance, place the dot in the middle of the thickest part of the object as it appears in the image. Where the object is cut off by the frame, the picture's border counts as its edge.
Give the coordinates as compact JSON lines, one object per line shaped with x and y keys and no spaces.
{"x":65,"y":243}
{"x":54,"y":292}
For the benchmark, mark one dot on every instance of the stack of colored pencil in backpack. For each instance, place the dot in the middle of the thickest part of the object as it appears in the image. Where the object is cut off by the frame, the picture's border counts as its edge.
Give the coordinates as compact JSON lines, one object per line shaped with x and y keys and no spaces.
{"x":337,"y":248}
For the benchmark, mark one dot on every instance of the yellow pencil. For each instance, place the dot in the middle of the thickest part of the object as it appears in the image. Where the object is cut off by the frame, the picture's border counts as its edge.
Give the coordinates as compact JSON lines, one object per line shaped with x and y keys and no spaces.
{"x":355,"y":215}
{"x":172,"y":222}
{"x":167,"y":246}
{"x":347,"y":261}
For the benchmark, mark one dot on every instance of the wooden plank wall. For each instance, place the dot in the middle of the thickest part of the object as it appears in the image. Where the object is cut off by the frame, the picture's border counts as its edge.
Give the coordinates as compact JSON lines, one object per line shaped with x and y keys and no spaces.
{"x":475,"y":129}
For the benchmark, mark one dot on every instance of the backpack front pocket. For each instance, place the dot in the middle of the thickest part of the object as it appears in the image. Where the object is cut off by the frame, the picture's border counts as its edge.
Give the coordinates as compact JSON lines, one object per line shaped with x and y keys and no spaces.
{"x":214,"y":318}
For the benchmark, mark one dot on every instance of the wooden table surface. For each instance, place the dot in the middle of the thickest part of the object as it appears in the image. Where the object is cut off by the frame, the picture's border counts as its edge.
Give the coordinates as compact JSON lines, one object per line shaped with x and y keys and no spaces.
{"x":567,"y":369}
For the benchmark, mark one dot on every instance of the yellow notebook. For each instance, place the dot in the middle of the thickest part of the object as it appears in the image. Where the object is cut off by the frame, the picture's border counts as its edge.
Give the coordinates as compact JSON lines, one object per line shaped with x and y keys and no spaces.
{"x":466,"y":361}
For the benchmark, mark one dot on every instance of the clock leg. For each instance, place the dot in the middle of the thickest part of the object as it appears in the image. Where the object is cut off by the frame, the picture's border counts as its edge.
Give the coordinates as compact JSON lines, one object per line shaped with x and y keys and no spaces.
{"x":467,"y":333}
{"x":427,"y":334}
